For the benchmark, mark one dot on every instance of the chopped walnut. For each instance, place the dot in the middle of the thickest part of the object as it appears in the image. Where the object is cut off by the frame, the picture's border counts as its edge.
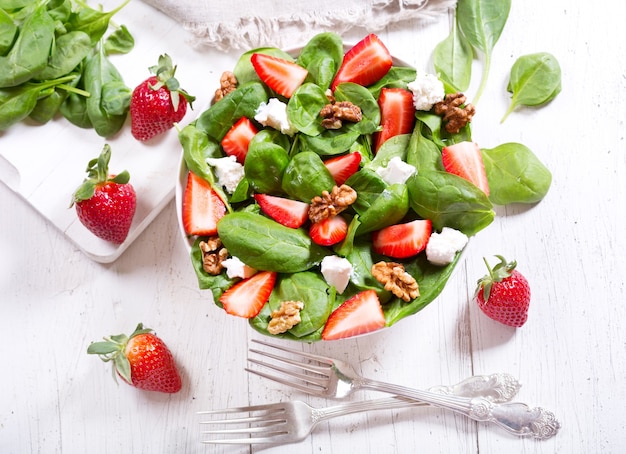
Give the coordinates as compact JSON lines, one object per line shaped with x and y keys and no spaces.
{"x":228,"y":83}
{"x":396,"y":280}
{"x":456,"y":114}
{"x":285,"y":317}
{"x":335,"y":113}
{"x":331,"y":204}
{"x":213,"y":254}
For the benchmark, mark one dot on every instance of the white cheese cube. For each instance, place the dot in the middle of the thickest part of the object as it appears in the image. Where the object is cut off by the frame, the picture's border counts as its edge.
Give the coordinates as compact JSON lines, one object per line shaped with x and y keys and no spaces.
{"x":274,"y":115}
{"x":396,"y":171}
{"x":336,"y":270}
{"x":442,"y":247}
{"x":228,"y":171}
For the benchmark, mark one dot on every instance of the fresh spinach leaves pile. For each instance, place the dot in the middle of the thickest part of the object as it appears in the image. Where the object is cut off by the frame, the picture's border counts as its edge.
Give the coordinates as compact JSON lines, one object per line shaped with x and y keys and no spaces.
{"x":293,"y":167}
{"x":54,"y":59}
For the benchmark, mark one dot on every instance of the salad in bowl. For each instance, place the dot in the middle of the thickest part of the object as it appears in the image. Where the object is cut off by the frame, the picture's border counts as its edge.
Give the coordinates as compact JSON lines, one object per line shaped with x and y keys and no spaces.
{"x":329,"y":192}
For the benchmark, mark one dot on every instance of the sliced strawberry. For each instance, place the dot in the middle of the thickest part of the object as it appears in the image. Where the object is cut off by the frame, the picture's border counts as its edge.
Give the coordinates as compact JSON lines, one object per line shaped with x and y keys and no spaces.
{"x":288,"y":212}
{"x":247,"y":297}
{"x":342,"y":167}
{"x":202,"y":207}
{"x":358,"y":315}
{"x":402,"y":240}
{"x":235,"y":142}
{"x":282,"y":76}
{"x":465,"y":160}
{"x":397,"y":114}
{"x":329,"y":231}
{"x":367,"y":62}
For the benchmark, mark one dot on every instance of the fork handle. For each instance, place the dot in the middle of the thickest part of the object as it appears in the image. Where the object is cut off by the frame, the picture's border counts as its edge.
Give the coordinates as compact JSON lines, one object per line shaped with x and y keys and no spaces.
{"x":517,"y":418}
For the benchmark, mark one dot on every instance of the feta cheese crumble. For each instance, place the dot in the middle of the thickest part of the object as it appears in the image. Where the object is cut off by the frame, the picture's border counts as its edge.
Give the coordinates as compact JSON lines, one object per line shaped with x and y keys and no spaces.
{"x":336,"y":270}
{"x":427,"y":91}
{"x":274,"y":114}
{"x":236,"y":268}
{"x":228,"y":171}
{"x":396,"y":171}
{"x":442,"y":247}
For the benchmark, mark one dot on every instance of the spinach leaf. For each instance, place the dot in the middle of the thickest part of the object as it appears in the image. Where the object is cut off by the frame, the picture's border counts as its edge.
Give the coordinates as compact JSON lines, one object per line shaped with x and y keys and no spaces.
{"x":99,"y":73}
{"x":452,"y":59}
{"x":387,"y":209}
{"x":265,"y":166}
{"x":306,"y":177}
{"x":92,"y":21}
{"x":330,"y":142}
{"x":482,"y":23}
{"x":303,"y":109}
{"x":121,"y":41}
{"x":396,"y":146}
{"x":8,"y":32}
{"x":268,"y":245}
{"x":515,"y":174}
{"x":535,"y":80}
{"x":29,"y":54}
{"x":221,"y":116}
{"x":360,"y":96}
{"x":309,"y":288}
{"x":368,"y":185}
{"x":68,"y":51}
{"x":422,"y":153}
{"x":449,"y":201}
{"x":321,"y":57}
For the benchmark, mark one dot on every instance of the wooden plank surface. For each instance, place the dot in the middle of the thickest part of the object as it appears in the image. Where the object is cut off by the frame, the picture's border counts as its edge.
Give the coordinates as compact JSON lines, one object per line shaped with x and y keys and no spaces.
{"x":570,"y":356}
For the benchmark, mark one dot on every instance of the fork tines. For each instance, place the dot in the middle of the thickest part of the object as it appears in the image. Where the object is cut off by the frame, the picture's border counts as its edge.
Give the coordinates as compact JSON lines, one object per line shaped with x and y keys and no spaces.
{"x":309,"y":377}
{"x":242,"y":425}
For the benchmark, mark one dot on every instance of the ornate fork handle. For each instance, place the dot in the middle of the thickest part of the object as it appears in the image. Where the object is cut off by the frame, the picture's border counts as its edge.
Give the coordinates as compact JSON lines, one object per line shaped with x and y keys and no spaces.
{"x":516,"y":418}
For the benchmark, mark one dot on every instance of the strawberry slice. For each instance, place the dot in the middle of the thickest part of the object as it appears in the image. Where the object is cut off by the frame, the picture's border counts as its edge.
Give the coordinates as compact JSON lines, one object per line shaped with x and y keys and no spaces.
{"x":402,"y":240}
{"x":358,"y":315}
{"x":288,"y":212}
{"x":465,"y":160}
{"x":367,"y":62}
{"x":282,"y":76}
{"x":397,"y":114}
{"x":202,"y":207}
{"x":235,"y":142}
{"x":329,"y":231}
{"x":247,"y":297}
{"x":342,"y":167}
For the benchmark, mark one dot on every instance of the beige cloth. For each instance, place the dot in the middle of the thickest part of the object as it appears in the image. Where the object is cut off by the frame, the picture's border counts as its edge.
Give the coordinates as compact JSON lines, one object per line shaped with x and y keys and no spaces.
{"x":245,"y":24}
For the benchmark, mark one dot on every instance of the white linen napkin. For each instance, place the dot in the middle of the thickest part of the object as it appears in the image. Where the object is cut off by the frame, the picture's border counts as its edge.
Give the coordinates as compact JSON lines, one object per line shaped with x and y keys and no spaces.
{"x":245,"y":24}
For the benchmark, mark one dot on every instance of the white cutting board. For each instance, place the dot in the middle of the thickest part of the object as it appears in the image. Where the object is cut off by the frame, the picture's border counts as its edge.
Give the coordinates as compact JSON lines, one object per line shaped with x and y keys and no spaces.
{"x":45,"y":163}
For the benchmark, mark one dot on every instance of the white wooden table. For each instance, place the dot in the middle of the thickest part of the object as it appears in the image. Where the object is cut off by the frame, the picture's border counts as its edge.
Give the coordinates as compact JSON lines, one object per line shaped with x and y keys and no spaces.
{"x":570,"y":356}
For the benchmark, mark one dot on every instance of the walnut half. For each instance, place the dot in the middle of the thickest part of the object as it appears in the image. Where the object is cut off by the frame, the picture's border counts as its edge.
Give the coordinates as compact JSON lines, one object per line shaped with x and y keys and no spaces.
{"x":285,"y":317}
{"x":213,"y":254}
{"x":335,"y":113}
{"x":455,"y":113}
{"x":396,"y":280}
{"x":331,"y":203}
{"x":228,"y":83}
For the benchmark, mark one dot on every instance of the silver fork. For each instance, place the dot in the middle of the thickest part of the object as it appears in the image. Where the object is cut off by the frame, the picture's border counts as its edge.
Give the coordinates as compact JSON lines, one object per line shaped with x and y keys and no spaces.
{"x":290,"y":422}
{"x":328,"y":377}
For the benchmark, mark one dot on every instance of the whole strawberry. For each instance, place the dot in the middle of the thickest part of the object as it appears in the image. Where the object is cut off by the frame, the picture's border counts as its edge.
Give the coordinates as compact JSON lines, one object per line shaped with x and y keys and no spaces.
{"x":141,"y":359}
{"x":504,"y":294}
{"x":105,"y":204}
{"x":158,"y":102}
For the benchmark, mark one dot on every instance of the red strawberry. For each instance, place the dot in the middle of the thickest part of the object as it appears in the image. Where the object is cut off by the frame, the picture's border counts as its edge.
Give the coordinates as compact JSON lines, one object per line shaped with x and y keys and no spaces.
{"x":367,"y":62}
{"x":105,"y":204}
{"x":342,"y":167}
{"x":282,"y":76}
{"x":504,"y":294}
{"x":329,"y":231}
{"x":402,"y":240}
{"x":288,"y":212}
{"x":358,"y":315}
{"x":158,"y":102}
{"x":247,"y":297}
{"x":465,"y":160}
{"x":142,"y":360}
{"x":397,"y":114}
{"x":202,"y":207}
{"x":235,"y":142}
